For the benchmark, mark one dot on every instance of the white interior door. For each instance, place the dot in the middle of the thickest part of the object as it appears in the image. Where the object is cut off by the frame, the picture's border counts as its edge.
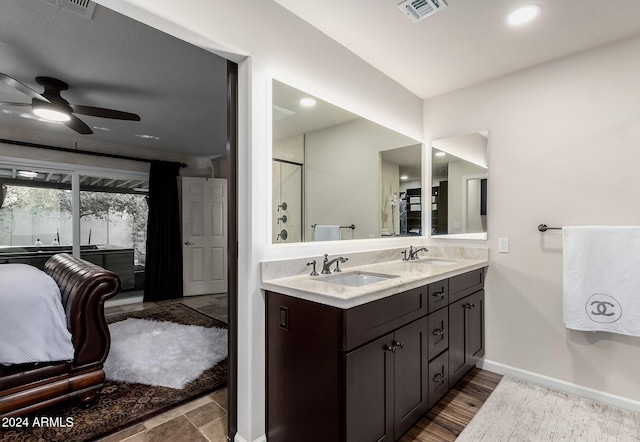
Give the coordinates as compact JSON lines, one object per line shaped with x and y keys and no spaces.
{"x":204,"y":235}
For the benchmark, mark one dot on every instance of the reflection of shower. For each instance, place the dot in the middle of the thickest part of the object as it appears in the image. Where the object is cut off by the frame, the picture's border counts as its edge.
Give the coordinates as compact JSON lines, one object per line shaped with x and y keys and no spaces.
{"x":287,"y":200}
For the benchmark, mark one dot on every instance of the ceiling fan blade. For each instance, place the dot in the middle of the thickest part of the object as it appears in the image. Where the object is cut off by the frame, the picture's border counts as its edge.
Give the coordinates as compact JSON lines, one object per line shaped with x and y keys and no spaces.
{"x":104,"y":113}
{"x":78,"y":125}
{"x":21,"y":87}
{"x":8,"y":103}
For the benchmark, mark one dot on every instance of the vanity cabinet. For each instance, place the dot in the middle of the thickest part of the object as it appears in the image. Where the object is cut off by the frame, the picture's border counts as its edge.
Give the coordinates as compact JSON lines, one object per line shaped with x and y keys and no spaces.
{"x":368,"y":373}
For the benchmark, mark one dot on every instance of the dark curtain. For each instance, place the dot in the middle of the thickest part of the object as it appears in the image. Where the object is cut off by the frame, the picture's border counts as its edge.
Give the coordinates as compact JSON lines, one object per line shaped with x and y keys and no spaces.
{"x":163,"y":270}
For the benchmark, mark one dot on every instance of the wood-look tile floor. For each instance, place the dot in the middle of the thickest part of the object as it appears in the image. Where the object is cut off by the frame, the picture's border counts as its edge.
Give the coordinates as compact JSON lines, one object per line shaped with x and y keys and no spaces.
{"x":205,"y":419}
{"x":446,"y":420}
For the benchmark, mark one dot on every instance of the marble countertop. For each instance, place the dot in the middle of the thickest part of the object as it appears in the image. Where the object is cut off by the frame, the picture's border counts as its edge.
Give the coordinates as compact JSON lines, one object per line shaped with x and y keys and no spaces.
{"x":407,"y":275}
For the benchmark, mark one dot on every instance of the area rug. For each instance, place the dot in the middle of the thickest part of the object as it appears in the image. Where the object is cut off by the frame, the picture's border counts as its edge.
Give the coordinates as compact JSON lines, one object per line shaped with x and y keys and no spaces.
{"x":162,"y":353}
{"x":120,"y":404}
{"x":521,"y":411}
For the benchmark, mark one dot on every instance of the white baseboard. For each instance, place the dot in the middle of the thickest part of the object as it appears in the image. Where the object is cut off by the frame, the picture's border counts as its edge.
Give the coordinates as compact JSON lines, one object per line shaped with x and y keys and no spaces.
{"x":262,"y":438}
{"x":124,"y":301}
{"x":557,"y":384}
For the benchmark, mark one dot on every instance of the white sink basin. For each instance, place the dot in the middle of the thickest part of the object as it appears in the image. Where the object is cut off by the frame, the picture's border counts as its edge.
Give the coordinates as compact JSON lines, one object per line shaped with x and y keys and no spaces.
{"x":435,"y":262}
{"x":357,"y":279}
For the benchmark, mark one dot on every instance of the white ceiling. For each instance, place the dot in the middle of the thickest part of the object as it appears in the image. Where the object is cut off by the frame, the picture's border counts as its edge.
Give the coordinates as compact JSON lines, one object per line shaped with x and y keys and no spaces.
{"x":112,"y":61}
{"x":468,"y":42}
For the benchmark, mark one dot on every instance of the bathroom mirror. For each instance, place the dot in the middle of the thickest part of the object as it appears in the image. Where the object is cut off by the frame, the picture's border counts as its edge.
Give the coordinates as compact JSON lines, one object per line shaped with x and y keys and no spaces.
{"x":459,"y":176}
{"x":336,"y":175}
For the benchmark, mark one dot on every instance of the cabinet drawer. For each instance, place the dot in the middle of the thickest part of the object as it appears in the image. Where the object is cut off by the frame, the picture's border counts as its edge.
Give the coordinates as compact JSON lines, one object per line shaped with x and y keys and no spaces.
{"x":438,"y":294}
{"x":465,"y":284}
{"x":438,"y":378}
{"x":369,"y":321}
{"x":438,"y":332}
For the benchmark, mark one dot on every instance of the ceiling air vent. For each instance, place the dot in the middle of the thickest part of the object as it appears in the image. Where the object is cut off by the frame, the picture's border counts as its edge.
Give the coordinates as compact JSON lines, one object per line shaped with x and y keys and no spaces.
{"x":417,"y":10}
{"x":81,"y":7}
{"x":280,"y":113}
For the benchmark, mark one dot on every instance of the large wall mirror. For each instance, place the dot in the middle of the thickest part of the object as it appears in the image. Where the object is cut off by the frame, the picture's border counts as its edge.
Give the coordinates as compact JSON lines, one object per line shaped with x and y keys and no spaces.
{"x":338,"y":176}
{"x":459,"y":175}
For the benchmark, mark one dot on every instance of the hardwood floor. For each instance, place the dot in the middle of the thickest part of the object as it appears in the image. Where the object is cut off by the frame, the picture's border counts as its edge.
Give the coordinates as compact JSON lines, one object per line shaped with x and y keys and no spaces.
{"x":446,"y":420}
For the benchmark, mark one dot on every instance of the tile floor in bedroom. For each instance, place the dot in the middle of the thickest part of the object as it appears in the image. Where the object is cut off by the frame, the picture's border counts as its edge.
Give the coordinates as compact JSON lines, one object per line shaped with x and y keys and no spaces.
{"x":203,"y":419}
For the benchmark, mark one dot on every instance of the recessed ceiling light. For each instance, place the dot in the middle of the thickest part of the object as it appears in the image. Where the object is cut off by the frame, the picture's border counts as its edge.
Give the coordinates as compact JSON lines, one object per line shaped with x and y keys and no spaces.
{"x":147,"y":137}
{"x":308,"y":102}
{"x":404,"y":177}
{"x":51,"y":114}
{"x":106,"y":129}
{"x":523,"y":15}
{"x":440,"y":154}
{"x":27,"y":174}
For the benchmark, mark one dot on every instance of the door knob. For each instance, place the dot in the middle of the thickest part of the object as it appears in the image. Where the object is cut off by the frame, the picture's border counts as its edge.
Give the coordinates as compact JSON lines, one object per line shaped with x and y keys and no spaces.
{"x":186,"y":243}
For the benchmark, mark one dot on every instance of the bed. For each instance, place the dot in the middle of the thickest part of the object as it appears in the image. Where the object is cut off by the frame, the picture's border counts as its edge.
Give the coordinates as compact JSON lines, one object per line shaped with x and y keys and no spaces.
{"x":55,"y":337}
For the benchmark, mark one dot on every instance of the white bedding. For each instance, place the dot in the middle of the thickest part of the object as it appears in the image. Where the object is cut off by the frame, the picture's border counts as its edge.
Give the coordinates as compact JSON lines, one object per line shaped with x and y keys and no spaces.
{"x":33,"y":326}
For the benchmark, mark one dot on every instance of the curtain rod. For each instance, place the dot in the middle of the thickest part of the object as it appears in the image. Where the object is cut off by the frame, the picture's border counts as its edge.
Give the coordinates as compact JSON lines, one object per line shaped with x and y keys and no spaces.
{"x":85,"y":152}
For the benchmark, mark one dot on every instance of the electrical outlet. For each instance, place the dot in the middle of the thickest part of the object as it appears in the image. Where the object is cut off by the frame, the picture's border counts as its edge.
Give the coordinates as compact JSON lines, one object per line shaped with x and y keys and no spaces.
{"x":503,"y":245}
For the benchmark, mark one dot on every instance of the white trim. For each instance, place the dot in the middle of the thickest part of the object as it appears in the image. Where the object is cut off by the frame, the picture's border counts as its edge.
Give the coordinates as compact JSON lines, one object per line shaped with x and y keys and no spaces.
{"x":262,"y":438}
{"x":560,"y":385}
{"x":124,"y":301}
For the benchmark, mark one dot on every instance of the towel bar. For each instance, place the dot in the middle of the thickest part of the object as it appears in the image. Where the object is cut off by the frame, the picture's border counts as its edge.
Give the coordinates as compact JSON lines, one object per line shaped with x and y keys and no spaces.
{"x":544,"y":228}
{"x":352,"y":226}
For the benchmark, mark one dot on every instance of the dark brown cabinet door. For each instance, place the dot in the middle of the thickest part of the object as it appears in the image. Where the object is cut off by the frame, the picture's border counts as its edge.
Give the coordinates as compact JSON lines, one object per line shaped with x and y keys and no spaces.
{"x":458,"y":361}
{"x":387,"y":384}
{"x":476,"y":327}
{"x":466,"y":335}
{"x":411,"y":371}
{"x":369,"y":391}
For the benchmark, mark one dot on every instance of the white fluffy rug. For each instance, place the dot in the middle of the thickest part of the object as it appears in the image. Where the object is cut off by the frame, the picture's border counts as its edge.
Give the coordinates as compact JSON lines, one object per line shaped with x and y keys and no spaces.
{"x":162,"y":353}
{"x":518,"y":410}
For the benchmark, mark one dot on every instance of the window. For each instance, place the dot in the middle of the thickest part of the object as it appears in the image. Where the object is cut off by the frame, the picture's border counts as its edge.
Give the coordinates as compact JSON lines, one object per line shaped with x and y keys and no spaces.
{"x":106,"y":213}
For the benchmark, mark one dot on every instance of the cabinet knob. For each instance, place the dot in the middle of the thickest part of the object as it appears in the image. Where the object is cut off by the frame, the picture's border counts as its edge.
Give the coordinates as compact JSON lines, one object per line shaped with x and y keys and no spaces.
{"x":438,"y":332}
{"x":398,"y":344}
{"x":391,"y":348}
{"x":469,"y":305}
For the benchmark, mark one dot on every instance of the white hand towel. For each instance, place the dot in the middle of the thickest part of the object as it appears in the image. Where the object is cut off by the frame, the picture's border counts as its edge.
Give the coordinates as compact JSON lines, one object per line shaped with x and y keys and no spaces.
{"x":601,"y":279}
{"x":326,"y":233}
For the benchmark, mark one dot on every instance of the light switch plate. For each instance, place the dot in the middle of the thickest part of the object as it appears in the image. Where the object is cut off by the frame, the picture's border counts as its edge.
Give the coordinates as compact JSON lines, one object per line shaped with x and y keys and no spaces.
{"x":503,"y":245}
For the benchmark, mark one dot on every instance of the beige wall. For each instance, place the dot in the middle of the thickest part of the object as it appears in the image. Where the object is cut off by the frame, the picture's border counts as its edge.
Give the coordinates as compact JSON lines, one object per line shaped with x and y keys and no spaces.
{"x":564,"y":149}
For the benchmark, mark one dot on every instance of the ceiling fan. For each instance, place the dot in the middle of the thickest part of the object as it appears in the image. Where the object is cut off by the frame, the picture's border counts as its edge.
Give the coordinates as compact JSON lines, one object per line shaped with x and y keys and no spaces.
{"x":51,"y":106}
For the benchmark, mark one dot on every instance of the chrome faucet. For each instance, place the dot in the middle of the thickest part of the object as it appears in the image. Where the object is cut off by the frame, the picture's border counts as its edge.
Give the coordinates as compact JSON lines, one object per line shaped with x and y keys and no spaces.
{"x":326,"y":265}
{"x":413,"y":254}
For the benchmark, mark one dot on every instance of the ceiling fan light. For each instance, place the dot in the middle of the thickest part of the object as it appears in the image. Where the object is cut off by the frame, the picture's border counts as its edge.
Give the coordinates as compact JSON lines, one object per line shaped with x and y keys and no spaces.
{"x":51,"y":114}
